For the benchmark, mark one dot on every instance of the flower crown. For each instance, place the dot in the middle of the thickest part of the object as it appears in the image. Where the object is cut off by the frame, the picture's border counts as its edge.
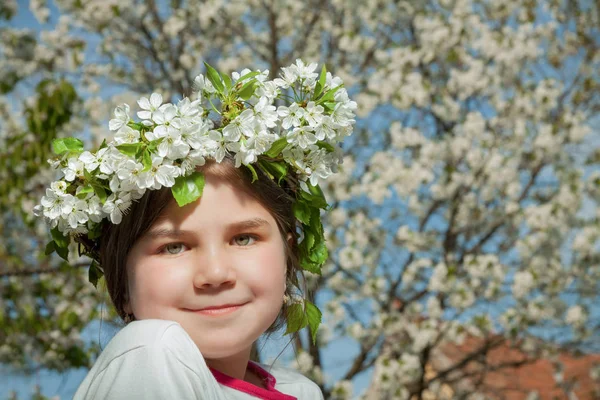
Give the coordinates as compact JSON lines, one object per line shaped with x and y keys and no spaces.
{"x":296,"y":142}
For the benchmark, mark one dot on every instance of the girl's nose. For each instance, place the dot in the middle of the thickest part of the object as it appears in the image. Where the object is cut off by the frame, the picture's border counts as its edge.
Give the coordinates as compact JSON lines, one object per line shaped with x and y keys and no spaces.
{"x":214,"y":269}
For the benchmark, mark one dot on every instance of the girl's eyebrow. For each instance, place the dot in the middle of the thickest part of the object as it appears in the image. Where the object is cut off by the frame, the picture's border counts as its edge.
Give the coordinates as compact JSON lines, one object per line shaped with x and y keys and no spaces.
{"x":177,"y":233}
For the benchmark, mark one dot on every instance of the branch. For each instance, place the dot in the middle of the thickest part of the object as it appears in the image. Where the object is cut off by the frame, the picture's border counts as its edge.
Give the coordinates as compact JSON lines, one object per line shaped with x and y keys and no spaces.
{"x":487,"y":346}
{"x":421,"y":385}
{"x":274,"y":55}
{"x":318,"y":9}
{"x":481,"y":374}
{"x":397,"y":282}
{"x":357,"y":365}
{"x":495,"y":227}
{"x":43,"y":269}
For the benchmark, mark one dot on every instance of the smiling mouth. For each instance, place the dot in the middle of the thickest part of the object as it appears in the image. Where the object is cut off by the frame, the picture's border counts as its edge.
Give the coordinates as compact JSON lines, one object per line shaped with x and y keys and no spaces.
{"x":219,"y":310}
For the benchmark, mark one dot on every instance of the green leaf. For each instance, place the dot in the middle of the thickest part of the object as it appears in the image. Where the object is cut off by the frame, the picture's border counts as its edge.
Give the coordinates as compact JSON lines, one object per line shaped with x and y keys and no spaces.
{"x":100,"y":192}
{"x":50,"y":248}
{"x":188,"y":188}
{"x":62,"y":145}
{"x":313,"y":314}
{"x":146,"y":160}
{"x":94,"y":273}
{"x":103,"y":145}
{"x":60,"y":239}
{"x":247,"y":90}
{"x":315,"y":197}
{"x":313,"y":250}
{"x":275,"y":169}
{"x":88,"y":177}
{"x":227,"y":81}
{"x":329,"y":105}
{"x":248,"y":75}
{"x":310,"y":266}
{"x":277,"y":147}
{"x":315,"y":220}
{"x":63,"y":252}
{"x":153,"y":145}
{"x":320,"y":83}
{"x":328,"y":96}
{"x":318,"y":194}
{"x":129,"y":149}
{"x":319,"y":253}
{"x":302,"y":211}
{"x":296,"y":318}
{"x":214,"y":77}
{"x":254,"y":174}
{"x":324,"y":145}
{"x":309,"y":239}
{"x":83,"y":192}
{"x":138,"y":126}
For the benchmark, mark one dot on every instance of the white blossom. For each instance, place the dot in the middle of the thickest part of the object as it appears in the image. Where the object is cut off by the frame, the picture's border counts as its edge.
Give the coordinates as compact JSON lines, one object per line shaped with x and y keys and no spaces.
{"x":243,"y":124}
{"x":74,"y":169}
{"x":121,"y":118}
{"x":313,"y":114}
{"x":291,"y":115}
{"x":265,"y":112}
{"x":302,"y":136}
{"x":117,"y":206}
{"x":576,"y":315}
{"x":149,"y":106}
{"x":160,"y":174}
{"x":127,"y":134}
{"x":523,"y":283}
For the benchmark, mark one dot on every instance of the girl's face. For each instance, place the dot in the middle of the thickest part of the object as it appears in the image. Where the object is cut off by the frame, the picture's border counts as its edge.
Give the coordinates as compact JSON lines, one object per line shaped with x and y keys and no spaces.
{"x":215,"y":266}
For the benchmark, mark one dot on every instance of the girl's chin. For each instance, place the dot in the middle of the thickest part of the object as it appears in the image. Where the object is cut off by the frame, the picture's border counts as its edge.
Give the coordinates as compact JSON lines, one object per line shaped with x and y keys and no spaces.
{"x":224,"y":342}
{"x":223,"y":349}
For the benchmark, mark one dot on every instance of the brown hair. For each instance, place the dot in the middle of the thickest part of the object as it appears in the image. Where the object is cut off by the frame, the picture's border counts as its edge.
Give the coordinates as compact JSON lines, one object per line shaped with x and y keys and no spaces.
{"x":118,"y":240}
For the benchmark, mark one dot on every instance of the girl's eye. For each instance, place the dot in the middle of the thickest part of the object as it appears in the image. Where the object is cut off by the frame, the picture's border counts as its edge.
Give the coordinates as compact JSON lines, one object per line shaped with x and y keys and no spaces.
{"x":173,"y":248}
{"x":244,"y":240}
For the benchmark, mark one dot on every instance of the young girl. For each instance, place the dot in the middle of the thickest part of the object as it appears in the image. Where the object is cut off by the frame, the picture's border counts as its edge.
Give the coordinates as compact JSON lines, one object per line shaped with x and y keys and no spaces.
{"x":195,"y":229}
{"x":202,"y":283}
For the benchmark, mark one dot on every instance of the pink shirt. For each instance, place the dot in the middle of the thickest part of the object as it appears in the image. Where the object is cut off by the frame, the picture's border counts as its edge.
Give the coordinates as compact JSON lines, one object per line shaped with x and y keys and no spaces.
{"x":270,"y":393}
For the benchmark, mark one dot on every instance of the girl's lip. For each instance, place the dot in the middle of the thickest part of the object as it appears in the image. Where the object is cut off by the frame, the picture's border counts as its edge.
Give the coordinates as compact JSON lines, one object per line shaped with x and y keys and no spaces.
{"x":219,"y":310}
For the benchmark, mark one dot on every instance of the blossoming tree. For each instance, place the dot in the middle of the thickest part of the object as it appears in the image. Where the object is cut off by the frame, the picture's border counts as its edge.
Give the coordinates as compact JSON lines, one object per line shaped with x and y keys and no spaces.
{"x":467,"y":202}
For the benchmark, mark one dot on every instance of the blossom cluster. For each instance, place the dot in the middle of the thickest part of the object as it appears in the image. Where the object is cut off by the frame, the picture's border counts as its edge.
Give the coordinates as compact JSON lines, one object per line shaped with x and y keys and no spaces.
{"x":171,"y":140}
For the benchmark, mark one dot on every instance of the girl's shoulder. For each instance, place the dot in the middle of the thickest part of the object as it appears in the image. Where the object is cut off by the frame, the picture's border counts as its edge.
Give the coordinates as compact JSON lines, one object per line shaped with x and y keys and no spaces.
{"x":149,"y":359}
{"x":152,"y":339}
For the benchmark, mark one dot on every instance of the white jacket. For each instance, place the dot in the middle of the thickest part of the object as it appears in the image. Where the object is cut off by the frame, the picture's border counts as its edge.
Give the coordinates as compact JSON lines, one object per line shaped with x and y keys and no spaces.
{"x":157,"y":359}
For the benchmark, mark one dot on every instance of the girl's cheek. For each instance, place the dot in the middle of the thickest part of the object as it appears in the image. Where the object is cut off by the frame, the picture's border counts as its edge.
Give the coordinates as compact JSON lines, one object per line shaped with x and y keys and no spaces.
{"x":154,"y":275}
{"x":267,"y":271}
{"x":270,"y":259}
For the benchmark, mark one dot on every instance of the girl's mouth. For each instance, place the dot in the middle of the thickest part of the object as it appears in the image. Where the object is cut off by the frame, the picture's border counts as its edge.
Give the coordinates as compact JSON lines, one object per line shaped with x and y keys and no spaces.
{"x":219,"y":310}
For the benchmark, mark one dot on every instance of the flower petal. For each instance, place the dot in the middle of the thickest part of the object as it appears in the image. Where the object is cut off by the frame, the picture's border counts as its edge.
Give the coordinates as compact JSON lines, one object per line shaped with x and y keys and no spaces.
{"x":156,"y":100}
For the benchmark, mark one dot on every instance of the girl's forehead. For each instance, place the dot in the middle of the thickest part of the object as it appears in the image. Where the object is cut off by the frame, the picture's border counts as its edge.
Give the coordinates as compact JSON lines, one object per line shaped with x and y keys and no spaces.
{"x":219,"y":205}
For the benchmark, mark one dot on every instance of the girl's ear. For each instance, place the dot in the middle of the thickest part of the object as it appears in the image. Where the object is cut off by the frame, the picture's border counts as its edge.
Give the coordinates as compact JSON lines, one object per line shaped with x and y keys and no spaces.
{"x":289,"y":238}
